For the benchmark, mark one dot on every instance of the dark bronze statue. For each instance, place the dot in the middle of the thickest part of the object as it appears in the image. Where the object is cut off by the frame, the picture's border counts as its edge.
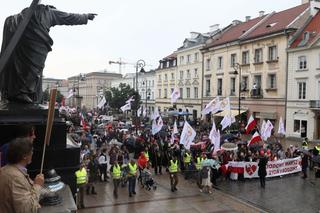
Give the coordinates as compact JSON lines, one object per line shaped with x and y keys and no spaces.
{"x":21,"y":78}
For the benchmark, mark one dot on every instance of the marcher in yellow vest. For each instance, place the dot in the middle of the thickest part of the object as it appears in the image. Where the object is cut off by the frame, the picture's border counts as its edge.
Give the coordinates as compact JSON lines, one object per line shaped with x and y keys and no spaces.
{"x":317,"y":147}
{"x":173,"y":171}
{"x":305,"y":144}
{"x":198,"y":162}
{"x":146,"y":153}
{"x":132,"y":176}
{"x":116,"y":175}
{"x":187,"y":164}
{"x":82,"y":179}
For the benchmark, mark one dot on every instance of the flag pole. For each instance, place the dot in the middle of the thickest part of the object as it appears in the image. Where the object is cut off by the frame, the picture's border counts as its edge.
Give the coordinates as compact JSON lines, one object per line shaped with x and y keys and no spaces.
{"x":52,"y":102}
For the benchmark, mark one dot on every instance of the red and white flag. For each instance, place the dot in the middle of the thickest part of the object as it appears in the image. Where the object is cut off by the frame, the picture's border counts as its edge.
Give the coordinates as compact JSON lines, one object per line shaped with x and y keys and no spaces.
{"x":255,"y":138}
{"x":251,"y":124}
{"x":175,"y":95}
{"x":82,"y":121}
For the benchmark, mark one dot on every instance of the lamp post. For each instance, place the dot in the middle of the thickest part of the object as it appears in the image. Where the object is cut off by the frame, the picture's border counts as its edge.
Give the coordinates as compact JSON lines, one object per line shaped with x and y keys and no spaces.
{"x":140,"y":64}
{"x":237,"y":71}
{"x":147,"y":95}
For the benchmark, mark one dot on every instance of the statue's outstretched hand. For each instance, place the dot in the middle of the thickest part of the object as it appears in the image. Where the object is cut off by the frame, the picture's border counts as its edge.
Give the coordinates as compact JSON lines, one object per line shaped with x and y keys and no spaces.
{"x":91,"y":16}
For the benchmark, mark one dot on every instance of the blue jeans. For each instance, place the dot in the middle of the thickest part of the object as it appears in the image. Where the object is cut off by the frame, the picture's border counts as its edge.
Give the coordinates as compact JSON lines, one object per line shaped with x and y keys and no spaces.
{"x":132,"y":184}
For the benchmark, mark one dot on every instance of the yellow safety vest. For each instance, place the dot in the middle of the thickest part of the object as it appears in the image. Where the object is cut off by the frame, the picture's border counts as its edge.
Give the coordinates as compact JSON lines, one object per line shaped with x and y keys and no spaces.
{"x":146,"y":154}
{"x":132,"y":169}
{"x":81,"y":176}
{"x":116,"y":171}
{"x":173,"y":166}
{"x":198,"y":163}
{"x":318,"y":148}
{"x":187,"y":158}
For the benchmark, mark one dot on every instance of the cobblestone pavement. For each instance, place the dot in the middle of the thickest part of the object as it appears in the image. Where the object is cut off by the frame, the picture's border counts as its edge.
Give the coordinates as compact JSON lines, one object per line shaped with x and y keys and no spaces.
{"x":187,"y":199}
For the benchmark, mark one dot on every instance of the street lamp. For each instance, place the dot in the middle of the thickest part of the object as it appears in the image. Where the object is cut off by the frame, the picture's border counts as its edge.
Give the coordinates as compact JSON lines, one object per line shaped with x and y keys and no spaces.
{"x":237,"y":71}
{"x":140,"y":64}
{"x":147,"y":94}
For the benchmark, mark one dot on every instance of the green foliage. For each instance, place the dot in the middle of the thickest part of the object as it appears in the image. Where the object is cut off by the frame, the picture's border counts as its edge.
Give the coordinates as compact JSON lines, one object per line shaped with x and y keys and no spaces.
{"x":117,"y":97}
{"x":46,"y":96}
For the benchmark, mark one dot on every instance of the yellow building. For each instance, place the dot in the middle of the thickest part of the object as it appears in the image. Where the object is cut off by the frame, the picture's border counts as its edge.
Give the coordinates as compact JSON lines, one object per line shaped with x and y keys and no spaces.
{"x":256,"y":48}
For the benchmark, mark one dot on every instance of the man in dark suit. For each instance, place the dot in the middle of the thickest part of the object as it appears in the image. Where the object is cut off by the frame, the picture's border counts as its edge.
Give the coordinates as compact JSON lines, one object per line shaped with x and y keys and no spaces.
{"x":262,"y":172}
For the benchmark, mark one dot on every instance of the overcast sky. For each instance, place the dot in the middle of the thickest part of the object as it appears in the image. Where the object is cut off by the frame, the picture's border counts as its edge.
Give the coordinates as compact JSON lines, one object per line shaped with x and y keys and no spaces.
{"x":133,"y":29}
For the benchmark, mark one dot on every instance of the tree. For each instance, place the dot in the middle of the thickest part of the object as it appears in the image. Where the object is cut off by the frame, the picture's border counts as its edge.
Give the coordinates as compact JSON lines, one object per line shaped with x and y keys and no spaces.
{"x":46,"y":96}
{"x":117,"y":97}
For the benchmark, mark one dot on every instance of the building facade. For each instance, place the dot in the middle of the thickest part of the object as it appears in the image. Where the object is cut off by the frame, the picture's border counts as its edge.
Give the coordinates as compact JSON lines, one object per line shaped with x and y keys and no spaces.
{"x":303,"y":102}
{"x":87,"y":87}
{"x":256,"y":49}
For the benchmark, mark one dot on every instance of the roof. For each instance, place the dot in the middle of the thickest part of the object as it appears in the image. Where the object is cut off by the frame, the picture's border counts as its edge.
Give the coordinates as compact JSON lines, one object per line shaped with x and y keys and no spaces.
{"x":234,"y":32}
{"x":312,"y":28}
{"x":277,"y":22}
{"x":171,"y":56}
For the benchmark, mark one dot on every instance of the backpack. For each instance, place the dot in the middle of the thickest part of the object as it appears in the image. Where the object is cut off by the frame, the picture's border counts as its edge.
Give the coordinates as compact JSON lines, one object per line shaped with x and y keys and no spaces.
{"x":204,"y":172}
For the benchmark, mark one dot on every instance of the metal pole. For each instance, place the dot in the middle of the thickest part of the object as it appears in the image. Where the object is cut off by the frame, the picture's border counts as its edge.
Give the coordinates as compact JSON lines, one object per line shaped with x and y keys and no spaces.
{"x":146,"y":97}
{"x":239,"y":113}
{"x":137,"y":93}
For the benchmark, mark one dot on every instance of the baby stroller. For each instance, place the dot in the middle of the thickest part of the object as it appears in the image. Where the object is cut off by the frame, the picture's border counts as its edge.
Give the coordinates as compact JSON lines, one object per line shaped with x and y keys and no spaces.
{"x":147,"y":181}
{"x":124,"y":174}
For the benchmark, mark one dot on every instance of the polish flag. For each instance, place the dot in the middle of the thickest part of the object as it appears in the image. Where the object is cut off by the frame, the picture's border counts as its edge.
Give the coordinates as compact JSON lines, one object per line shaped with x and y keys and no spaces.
{"x":251,"y":124}
{"x":255,"y":138}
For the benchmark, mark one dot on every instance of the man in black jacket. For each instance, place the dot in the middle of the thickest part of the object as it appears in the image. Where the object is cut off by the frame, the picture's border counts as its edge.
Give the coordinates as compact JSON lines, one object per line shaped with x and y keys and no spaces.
{"x":262,"y":172}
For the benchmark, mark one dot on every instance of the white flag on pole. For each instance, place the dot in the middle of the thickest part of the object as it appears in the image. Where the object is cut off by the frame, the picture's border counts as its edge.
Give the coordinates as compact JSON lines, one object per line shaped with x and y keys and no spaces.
{"x":175,"y":128}
{"x":126,"y":107}
{"x":212,"y":132}
{"x":281,"y":129}
{"x":102,"y":102}
{"x":213,"y":106}
{"x":216,"y":141}
{"x":144,"y":113}
{"x":130,"y":100}
{"x":70,"y":94}
{"x":227,"y":120}
{"x":175,"y":95}
{"x":225,"y":104}
{"x":263,"y":129}
{"x":268,"y":130}
{"x":139,"y":111}
{"x":155,"y":114}
{"x":187,"y":135}
{"x":157,"y":125}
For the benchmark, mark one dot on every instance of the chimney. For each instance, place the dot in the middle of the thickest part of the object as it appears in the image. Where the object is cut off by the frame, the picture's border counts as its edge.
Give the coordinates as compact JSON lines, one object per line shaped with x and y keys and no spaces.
{"x":248,"y":18}
{"x":214,"y":27}
{"x":235,"y":22}
{"x":261,"y":13}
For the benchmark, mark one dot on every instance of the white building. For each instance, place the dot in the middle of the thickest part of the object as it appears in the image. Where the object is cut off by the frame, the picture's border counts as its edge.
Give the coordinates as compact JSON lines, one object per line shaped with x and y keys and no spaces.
{"x":303,"y":97}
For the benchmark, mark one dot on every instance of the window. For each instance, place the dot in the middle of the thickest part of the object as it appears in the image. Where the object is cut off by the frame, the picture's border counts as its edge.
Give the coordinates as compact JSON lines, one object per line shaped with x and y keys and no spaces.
{"x":272,"y":81}
{"x":196,"y":73}
{"x":219,"y":92}
{"x":273,"y":55}
{"x":181,"y":75}
{"x":181,"y":93}
{"x":159,"y":95}
{"x":220,"y":62}
{"x":181,"y":59}
{"x":300,"y":127}
{"x":188,"y":74}
{"x":188,"y":92}
{"x":245,"y":57}
{"x":302,"y":60}
{"x":168,"y":63}
{"x":208,"y":87}
{"x":165,"y":93}
{"x":172,"y":76}
{"x":232,"y":86}
{"x":302,"y":90}
{"x":208,"y":61}
{"x":233,"y":60}
{"x":152,"y":95}
{"x":152,"y":82}
{"x":258,"y":55}
{"x":196,"y":57}
{"x":159,"y":78}
{"x":174,"y":63}
{"x":244,"y":83}
{"x":195,"y":92}
{"x":188,"y":59}
{"x":165,"y":77}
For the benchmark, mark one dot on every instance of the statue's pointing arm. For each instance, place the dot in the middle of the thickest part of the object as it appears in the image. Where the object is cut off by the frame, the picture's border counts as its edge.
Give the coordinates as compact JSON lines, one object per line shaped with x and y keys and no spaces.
{"x":63,"y":18}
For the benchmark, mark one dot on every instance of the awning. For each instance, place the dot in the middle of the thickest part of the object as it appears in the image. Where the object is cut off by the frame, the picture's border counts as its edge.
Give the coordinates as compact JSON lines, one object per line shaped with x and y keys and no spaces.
{"x":234,"y":112}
